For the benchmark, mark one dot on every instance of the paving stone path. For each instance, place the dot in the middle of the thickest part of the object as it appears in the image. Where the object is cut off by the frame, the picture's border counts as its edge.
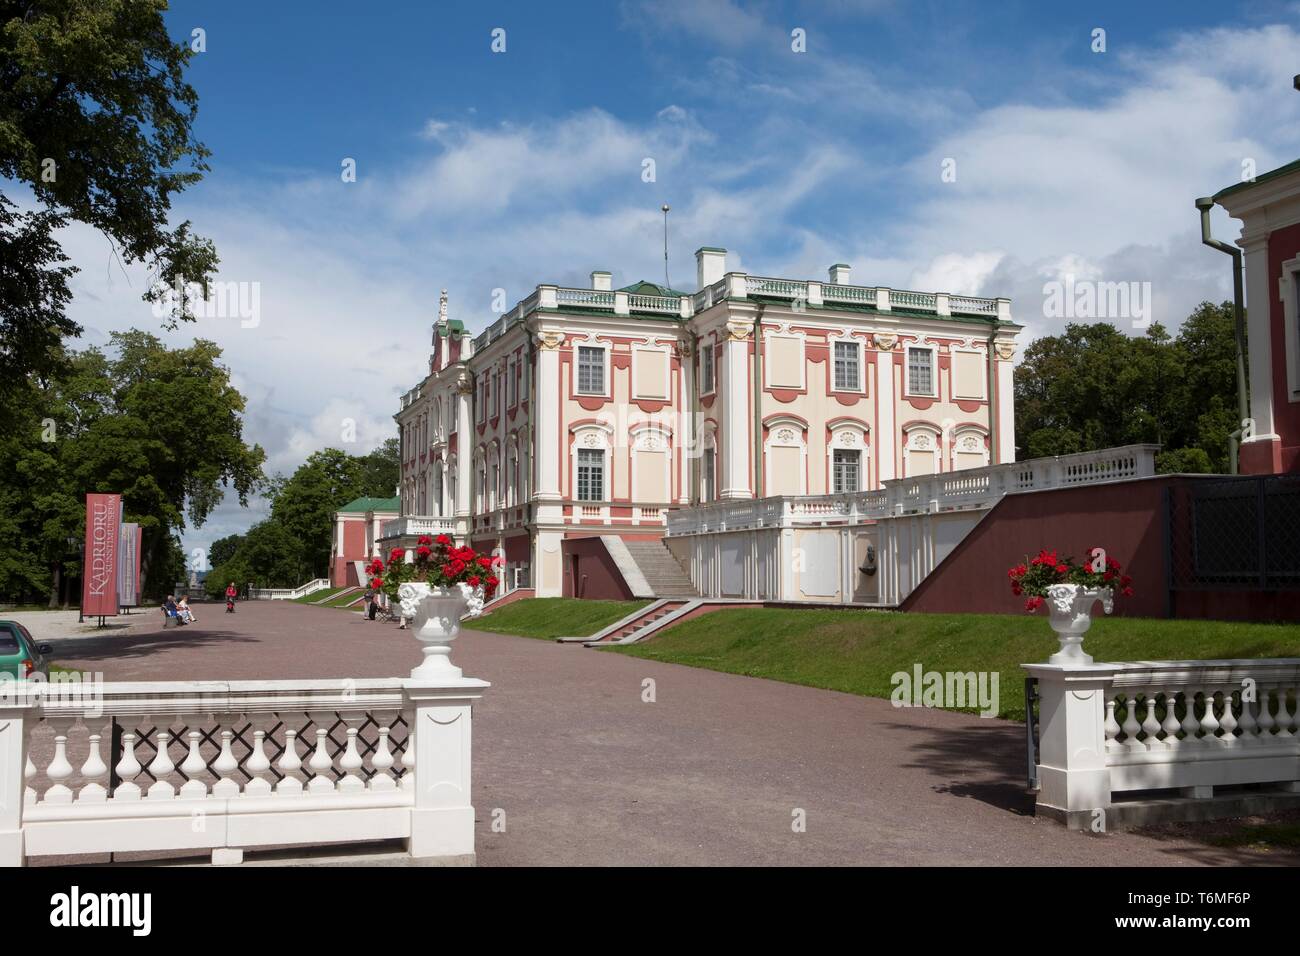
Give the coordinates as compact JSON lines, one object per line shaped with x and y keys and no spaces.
{"x":713,"y":771}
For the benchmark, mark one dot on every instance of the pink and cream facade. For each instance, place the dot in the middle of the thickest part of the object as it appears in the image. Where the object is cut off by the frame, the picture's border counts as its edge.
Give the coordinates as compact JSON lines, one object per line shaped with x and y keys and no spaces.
{"x":593,"y":411}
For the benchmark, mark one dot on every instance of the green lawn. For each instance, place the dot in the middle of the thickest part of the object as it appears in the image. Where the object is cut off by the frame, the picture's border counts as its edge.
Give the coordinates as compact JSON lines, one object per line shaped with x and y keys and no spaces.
{"x":345,"y":599}
{"x":858,"y":651}
{"x":550,"y":618}
{"x":315,"y":596}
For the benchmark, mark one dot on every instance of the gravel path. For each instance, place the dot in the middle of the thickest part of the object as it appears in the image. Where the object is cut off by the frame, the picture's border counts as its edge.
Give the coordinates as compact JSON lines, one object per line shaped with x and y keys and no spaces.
{"x":715,"y":771}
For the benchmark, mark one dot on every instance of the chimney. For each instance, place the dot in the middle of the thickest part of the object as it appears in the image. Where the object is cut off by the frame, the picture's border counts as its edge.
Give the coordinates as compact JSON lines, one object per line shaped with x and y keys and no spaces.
{"x":710,"y":265}
{"x":839,"y":274}
{"x":602,"y":281}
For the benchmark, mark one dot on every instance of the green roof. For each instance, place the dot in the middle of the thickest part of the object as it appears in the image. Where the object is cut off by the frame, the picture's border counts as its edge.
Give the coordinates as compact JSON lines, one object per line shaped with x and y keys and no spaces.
{"x":904,"y":313}
{"x":454,"y":327}
{"x":649,"y":288}
{"x":1261,"y":178}
{"x":362,"y":505}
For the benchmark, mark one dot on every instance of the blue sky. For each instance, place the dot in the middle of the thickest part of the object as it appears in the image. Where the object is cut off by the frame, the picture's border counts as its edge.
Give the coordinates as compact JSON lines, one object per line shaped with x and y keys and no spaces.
{"x":479,"y":170}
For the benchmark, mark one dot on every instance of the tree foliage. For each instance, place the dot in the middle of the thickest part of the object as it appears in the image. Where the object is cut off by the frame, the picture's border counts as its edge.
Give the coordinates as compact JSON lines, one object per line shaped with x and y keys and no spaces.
{"x":293,"y":545}
{"x":161,"y":426}
{"x":97,"y":120}
{"x":1095,"y":387}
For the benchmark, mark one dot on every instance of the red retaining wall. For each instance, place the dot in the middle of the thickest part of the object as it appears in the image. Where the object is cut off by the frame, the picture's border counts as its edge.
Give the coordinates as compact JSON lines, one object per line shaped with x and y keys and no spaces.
{"x":1126,"y":518}
{"x":589,"y":571}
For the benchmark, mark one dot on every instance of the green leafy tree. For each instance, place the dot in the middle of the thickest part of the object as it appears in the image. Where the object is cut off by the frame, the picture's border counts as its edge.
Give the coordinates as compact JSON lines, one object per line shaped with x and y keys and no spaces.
{"x":1094,"y":387}
{"x":97,"y":121}
{"x":223,"y":549}
{"x":381,"y":470}
{"x":161,"y":426}
{"x":327,"y":480}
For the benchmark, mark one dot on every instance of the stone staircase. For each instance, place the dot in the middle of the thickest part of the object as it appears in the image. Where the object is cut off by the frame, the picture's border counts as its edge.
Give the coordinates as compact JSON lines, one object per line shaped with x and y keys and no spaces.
{"x":663,"y":576}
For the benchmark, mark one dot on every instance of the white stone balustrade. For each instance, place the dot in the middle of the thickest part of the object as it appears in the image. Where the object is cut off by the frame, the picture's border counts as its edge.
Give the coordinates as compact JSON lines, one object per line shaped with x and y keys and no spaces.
{"x":969,"y":488}
{"x":419,"y":524}
{"x":1162,"y":727}
{"x":225,"y":766}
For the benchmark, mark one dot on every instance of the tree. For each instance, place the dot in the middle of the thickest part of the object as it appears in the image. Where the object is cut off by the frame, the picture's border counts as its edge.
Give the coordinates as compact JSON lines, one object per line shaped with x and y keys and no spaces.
{"x":1094,"y":387}
{"x":327,"y":480}
{"x":96,"y":119}
{"x":223,"y":549}
{"x":381,"y":470}
{"x":161,"y":426}
{"x":33,"y":295}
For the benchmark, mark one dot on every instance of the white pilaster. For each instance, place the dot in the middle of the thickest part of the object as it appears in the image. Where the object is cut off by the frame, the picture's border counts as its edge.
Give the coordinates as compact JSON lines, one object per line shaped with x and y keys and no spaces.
{"x":442,"y":819}
{"x":737,"y":415}
{"x":1074,"y":781}
{"x":883,"y":440}
{"x":1006,"y":450}
{"x":464,"y":453}
{"x":1261,"y":289}
{"x":548,"y":417}
{"x":15,"y":707}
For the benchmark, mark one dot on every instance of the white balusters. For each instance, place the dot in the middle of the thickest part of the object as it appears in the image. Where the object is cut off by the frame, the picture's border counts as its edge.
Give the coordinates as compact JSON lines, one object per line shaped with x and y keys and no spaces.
{"x":1283,"y":715}
{"x":1209,"y":723}
{"x":226,"y":764}
{"x":1150,"y":725}
{"x":1265,"y":718}
{"x":1131,"y":725}
{"x":1228,"y":722}
{"x":94,"y":771}
{"x":321,"y":763}
{"x":381,"y":761}
{"x":288,"y":764}
{"x":258,"y":764}
{"x":351,"y":760}
{"x":1246,"y":722}
{"x":1171,"y":726}
{"x":128,"y":768}
{"x":1190,"y":724}
{"x":161,"y":766}
{"x":60,"y":769}
{"x":192,"y":766}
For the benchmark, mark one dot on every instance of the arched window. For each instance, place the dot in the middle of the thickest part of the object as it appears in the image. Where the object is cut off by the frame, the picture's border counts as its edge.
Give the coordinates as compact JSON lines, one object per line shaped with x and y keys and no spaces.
{"x":921,"y":452}
{"x":785,"y":455}
{"x":847,"y":460}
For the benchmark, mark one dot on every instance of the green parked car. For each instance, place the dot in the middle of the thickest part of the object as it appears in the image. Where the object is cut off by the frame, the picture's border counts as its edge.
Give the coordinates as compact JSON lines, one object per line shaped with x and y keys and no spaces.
{"x":20,"y":655}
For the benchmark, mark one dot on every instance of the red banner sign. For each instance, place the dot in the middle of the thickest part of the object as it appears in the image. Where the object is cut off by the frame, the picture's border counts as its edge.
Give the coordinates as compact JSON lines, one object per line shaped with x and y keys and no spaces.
{"x":99,"y":574}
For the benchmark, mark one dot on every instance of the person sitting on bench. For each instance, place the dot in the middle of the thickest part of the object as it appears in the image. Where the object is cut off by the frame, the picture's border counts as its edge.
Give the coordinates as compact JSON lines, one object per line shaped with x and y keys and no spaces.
{"x":170,"y":611}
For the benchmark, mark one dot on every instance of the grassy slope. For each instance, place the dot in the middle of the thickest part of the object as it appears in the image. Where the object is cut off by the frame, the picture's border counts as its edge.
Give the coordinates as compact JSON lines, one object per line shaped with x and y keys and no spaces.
{"x":858,"y":651}
{"x":555,"y":617}
{"x":316,"y":596}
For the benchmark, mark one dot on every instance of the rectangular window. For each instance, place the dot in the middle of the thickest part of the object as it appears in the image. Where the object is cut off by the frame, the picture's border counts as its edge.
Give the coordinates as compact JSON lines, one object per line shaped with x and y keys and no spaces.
{"x":591,"y":474}
{"x":846,"y":472}
{"x":847,"y":367}
{"x":708,"y":469}
{"x":706,"y":370}
{"x":591,"y":370}
{"x":920,"y":372}
{"x":512,"y":377}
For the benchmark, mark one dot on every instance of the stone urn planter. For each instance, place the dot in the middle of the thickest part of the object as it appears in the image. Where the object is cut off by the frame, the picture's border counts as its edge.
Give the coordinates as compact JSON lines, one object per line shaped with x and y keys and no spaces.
{"x":1070,"y":607}
{"x":435,"y":615}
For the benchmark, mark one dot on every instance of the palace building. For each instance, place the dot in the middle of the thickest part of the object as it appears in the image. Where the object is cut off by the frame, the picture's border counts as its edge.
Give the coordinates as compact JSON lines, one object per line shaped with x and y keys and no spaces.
{"x":592,"y":412}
